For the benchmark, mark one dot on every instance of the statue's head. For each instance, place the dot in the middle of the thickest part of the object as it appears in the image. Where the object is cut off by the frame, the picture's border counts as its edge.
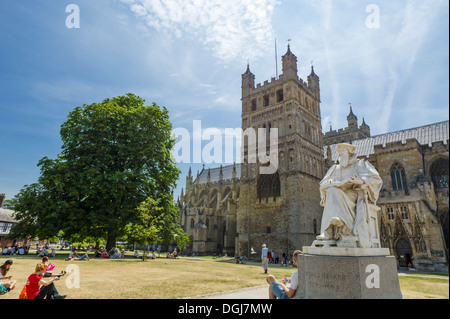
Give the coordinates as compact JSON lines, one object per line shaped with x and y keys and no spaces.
{"x":345,"y":153}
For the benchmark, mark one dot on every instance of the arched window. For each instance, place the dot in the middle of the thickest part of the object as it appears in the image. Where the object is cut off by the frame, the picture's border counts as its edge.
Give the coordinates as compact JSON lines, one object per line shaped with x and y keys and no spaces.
{"x":398,"y":177}
{"x":268,"y":185}
{"x":280,"y":95}
{"x":266,"y":100}
{"x":192,"y":222}
{"x":390,"y":211}
{"x":439,"y":173}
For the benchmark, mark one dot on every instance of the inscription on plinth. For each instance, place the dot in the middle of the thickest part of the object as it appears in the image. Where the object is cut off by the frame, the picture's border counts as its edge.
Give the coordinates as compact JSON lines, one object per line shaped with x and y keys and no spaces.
{"x":344,"y":277}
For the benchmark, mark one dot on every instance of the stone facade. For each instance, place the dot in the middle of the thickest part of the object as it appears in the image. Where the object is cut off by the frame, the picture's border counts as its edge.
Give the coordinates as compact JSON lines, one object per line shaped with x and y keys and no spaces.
{"x":414,"y":200}
{"x":234,"y":209}
{"x":281,"y":210}
{"x":208,"y":210}
{"x":349,"y":133}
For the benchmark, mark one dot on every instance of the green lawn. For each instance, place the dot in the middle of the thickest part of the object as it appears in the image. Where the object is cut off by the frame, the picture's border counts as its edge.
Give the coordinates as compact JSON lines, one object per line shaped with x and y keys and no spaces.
{"x":164,"y":278}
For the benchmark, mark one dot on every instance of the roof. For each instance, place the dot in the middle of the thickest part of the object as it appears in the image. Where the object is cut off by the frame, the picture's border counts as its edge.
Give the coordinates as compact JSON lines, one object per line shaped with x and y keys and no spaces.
{"x":227,"y":172}
{"x":425,"y":135}
{"x":6,"y":215}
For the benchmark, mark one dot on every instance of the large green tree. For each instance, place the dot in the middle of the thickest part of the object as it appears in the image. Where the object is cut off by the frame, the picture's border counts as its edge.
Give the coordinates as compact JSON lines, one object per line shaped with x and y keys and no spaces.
{"x":115,"y":155}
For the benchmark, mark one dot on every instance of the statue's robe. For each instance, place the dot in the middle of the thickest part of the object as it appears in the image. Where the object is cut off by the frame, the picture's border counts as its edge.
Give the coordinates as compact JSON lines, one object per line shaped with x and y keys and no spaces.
{"x":349,"y":201}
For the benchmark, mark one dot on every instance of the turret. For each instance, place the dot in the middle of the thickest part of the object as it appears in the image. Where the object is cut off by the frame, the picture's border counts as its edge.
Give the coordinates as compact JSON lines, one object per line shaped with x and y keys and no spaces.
{"x":248,"y":82}
{"x":364,"y":128}
{"x":313,"y":83}
{"x":289,"y":61}
{"x":189,"y":182}
{"x":352,"y":120}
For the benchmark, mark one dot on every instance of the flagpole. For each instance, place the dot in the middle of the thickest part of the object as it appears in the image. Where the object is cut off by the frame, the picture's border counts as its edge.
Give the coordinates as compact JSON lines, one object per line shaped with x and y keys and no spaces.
{"x":276,"y":59}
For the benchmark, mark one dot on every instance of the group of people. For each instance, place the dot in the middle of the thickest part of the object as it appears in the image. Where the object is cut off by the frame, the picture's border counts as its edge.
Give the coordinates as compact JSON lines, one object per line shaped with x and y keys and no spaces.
{"x":113,"y":253}
{"x":15,"y":250}
{"x":74,"y":256}
{"x":172,"y":255}
{"x":136,"y":255}
{"x":35,"y":287}
{"x":270,"y":257}
{"x":41,"y":252}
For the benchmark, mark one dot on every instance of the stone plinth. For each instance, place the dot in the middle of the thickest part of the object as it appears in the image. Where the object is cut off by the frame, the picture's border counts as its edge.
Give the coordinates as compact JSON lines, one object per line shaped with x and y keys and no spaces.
{"x":362,"y":274}
{"x":346,"y":251}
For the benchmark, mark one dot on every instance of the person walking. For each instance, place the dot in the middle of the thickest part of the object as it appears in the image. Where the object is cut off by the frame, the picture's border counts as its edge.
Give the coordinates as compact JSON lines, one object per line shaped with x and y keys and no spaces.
{"x":265,"y":257}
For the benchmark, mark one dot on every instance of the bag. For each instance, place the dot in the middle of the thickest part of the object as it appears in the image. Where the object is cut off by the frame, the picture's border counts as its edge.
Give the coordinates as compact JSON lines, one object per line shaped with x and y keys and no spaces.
{"x":3,"y":290}
{"x":23,"y":293}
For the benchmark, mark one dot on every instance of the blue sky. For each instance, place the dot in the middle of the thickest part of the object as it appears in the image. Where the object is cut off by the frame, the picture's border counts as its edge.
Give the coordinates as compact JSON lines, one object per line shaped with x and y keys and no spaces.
{"x":188,"y":55}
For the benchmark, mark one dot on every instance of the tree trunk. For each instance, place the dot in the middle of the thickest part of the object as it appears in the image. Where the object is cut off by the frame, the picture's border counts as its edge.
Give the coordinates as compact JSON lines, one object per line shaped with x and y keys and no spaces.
{"x":111,"y":241}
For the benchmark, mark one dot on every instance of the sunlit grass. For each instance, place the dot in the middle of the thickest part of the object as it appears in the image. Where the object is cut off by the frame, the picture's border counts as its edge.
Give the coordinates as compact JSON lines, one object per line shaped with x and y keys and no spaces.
{"x":164,"y":278}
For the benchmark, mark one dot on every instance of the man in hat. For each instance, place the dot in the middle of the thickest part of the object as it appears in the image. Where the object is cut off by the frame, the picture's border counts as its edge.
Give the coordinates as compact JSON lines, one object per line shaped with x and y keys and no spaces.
{"x":347,"y":191}
{"x":265,"y":257}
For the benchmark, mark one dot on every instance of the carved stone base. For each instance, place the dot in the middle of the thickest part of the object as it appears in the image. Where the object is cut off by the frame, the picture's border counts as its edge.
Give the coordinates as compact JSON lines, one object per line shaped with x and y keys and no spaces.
{"x":347,"y":241}
{"x":324,"y":243}
{"x":347,"y":277}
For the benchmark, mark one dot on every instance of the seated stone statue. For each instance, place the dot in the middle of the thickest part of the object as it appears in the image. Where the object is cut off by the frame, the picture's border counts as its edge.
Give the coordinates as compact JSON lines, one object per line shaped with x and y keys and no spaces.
{"x":348,"y":193}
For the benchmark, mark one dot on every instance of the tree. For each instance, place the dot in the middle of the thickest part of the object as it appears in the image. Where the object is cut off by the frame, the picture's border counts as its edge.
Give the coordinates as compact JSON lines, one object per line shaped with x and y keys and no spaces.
{"x":156,"y":222}
{"x":115,"y":155}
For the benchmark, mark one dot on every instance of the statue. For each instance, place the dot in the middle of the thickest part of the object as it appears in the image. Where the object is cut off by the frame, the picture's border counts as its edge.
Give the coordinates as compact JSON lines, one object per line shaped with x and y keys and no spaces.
{"x":348,"y":194}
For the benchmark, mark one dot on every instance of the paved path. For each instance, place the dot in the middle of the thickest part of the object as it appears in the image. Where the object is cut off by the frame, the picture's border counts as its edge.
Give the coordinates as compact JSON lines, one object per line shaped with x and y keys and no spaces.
{"x":258,"y":292}
{"x":261,"y":292}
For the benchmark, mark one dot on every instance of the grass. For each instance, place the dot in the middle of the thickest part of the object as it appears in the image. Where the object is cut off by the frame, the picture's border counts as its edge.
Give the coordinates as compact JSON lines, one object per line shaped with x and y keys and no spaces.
{"x":424,"y":287}
{"x":164,"y":278}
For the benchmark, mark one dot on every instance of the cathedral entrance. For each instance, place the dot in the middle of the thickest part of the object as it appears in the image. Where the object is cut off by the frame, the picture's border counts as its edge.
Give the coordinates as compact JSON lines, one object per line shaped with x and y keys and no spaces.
{"x":404,"y":252}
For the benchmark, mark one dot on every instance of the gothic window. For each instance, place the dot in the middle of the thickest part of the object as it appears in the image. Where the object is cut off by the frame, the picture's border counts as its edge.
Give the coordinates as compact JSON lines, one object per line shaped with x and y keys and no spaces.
{"x":254,"y":105}
{"x":404,"y":212}
{"x":192,"y":222}
{"x":398,"y":177}
{"x":266,"y":100}
{"x":390,"y":211}
{"x":207,"y":223}
{"x":439,"y":173}
{"x":279,"y":95}
{"x":268,"y":186}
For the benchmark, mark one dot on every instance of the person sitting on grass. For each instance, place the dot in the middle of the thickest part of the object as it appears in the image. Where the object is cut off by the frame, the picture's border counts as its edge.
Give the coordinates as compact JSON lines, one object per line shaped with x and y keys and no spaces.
{"x":49,"y":268}
{"x":73,"y":256}
{"x":115,"y":255}
{"x":9,"y":284}
{"x":37,"y":288}
{"x":279,"y":289}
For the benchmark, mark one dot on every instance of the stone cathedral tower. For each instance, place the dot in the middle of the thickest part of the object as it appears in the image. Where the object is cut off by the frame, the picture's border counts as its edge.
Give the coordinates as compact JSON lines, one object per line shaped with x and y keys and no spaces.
{"x":281,"y":209}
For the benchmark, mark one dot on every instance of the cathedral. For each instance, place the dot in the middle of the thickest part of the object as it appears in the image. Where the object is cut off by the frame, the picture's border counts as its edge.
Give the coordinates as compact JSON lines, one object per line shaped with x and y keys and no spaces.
{"x":235,"y":209}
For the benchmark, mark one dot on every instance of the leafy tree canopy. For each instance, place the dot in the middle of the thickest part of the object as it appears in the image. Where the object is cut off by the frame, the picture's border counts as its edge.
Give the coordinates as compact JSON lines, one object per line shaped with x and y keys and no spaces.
{"x":115,"y":155}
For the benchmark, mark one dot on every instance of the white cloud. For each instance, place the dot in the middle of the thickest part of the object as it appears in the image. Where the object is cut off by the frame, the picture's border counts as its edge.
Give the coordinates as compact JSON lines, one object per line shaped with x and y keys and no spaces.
{"x":230,"y":29}
{"x":372,"y":68}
